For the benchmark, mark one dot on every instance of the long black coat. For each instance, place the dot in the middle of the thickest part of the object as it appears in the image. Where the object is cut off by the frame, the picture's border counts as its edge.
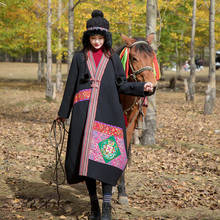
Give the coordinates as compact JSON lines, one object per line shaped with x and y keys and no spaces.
{"x":109,"y":127}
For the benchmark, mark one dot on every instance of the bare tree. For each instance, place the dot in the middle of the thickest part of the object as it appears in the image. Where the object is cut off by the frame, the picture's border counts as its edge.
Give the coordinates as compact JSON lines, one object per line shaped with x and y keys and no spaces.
{"x":129,"y":20}
{"x":192,"y":77}
{"x":72,"y":6}
{"x":71,"y":32}
{"x":50,"y":88}
{"x":41,"y":58}
{"x":148,"y":135}
{"x":40,"y":67}
{"x":49,"y":50}
{"x":211,"y":90}
{"x":59,"y":54}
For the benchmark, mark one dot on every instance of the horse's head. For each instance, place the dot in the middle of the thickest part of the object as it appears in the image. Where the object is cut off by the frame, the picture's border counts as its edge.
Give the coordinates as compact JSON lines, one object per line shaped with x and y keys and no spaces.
{"x":141,"y":57}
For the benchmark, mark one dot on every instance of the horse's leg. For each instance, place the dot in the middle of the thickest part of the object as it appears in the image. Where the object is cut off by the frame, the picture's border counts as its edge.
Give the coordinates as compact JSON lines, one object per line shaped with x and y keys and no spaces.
{"x":136,"y":136}
{"x":122,"y":195}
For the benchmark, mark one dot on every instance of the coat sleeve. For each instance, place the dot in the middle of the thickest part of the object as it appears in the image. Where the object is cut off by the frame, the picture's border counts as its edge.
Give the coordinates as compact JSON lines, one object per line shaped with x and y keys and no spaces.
{"x":67,"y":101}
{"x":124,"y":87}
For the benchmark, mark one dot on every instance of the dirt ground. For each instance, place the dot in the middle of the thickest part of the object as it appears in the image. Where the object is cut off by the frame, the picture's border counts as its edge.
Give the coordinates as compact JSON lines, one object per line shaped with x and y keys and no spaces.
{"x":177,"y":178}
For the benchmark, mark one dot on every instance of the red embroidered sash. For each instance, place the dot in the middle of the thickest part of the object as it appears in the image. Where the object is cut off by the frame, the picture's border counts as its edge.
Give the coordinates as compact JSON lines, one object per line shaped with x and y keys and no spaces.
{"x":82,"y":95}
{"x":96,"y":77}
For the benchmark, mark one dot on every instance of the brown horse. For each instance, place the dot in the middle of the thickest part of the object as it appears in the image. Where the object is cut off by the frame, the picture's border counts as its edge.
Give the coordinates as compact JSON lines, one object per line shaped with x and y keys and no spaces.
{"x":141,"y":57}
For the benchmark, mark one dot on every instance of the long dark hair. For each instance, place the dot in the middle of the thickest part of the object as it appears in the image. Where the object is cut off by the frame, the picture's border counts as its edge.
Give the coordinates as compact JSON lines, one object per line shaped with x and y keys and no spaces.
{"x":107,"y":46}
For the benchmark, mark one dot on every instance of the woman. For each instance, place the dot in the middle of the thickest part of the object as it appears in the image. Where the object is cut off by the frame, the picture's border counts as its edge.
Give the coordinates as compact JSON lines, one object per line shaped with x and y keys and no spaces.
{"x":96,"y":148}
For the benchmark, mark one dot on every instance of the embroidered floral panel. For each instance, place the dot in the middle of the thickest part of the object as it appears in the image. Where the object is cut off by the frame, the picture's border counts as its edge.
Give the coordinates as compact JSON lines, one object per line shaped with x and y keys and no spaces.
{"x":108,"y":146}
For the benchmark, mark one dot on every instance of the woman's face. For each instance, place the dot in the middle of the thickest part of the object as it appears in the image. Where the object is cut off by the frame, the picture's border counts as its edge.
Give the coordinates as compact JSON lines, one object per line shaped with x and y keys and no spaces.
{"x":97,"y":41}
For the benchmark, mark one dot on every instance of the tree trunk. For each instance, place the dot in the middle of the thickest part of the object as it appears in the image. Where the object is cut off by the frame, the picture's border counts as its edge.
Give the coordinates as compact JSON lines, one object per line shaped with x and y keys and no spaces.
{"x":7,"y":59}
{"x":129,"y":21}
{"x":43,"y":65}
{"x":59,"y":84}
{"x":148,"y":134}
{"x":50,"y":89}
{"x":178,"y":70}
{"x":31,"y":56}
{"x":192,"y":78}
{"x":71,"y":32}
{"x":71,"y":5}
{"x":39,"y":70}
{"x":161,"y":71}
{"x":186,"y":89}
{"x":177,"y":64}
{"x":211,"y":90}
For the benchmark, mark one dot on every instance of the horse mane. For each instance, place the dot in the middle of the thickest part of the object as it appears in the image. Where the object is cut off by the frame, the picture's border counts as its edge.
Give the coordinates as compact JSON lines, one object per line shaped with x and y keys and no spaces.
{"x":118,"y":50}
{"x":143,"y":47}
{"x":146,"y":48}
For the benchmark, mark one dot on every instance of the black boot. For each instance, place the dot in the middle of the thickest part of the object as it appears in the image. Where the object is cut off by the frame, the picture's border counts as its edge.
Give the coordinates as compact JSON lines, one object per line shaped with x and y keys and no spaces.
{"x":106,"y":211}
{"x":94,"y":216}
{"x":95,"y":211}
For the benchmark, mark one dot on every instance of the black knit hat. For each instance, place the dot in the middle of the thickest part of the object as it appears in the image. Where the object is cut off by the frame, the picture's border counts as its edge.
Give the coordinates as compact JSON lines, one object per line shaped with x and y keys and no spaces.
{"x":97,"y":25}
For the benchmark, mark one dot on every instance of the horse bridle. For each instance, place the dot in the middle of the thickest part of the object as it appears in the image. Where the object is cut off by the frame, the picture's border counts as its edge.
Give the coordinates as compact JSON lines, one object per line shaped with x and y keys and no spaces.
{"x":137,"y":101}
{"x":136,"y":72}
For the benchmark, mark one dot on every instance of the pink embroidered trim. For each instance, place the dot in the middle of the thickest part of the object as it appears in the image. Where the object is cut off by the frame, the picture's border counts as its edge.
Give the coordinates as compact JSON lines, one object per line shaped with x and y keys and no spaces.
{"x":82,"y":95}
{"x":109,"y":130}
{"x":96,"y":76}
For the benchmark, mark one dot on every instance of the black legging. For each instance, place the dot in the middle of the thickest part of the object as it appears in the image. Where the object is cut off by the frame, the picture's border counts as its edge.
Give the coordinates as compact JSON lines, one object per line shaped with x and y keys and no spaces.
{"x":91,"y":186}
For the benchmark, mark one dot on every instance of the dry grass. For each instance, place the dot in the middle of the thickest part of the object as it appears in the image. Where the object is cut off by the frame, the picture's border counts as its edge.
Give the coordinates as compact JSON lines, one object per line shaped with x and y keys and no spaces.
{"x":25,"y":71}
{"x":28,"y":71}
{"x":201,"y":75}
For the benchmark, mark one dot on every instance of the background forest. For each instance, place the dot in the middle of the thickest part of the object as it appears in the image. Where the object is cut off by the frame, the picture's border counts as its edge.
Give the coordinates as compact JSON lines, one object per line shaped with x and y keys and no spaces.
{"x":23,"y":26}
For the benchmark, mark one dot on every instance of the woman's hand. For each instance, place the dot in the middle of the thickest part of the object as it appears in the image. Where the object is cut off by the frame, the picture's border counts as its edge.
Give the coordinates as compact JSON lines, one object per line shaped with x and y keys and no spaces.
{"x":148,"y":87}
{"x":60,"y":119}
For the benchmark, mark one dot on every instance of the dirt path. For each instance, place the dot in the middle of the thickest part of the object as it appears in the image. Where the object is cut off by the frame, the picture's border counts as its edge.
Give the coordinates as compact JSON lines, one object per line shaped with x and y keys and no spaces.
{"x":178,"y":178}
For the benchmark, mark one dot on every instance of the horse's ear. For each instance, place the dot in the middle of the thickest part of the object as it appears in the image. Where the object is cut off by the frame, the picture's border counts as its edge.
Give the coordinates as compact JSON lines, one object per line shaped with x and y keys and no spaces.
{"x":150,"y":38}
{"x":128,"y":41}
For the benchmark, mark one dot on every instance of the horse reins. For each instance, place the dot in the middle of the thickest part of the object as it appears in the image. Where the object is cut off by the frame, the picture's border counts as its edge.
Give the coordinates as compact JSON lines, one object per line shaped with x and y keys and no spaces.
{"x":58,"y":145}
{"x":139,"y":112}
